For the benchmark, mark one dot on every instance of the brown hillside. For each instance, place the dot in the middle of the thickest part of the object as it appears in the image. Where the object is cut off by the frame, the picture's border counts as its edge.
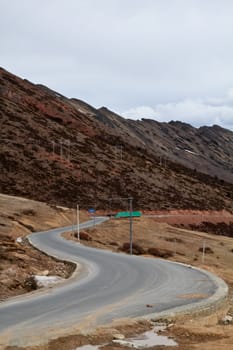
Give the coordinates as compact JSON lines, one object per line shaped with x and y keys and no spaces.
{"x":64,"y":151}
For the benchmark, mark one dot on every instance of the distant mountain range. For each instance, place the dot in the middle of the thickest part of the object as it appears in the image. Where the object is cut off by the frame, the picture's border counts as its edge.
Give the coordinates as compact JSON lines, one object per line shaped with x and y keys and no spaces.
{"x":65,"y":151}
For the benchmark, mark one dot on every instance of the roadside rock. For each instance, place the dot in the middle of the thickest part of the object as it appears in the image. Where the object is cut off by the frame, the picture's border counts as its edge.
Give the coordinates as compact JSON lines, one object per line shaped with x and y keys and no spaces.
{"x":118,"y":336}
{"x":19,"y":240}
{"x":44,"y":273}
{"x":226,"y":320}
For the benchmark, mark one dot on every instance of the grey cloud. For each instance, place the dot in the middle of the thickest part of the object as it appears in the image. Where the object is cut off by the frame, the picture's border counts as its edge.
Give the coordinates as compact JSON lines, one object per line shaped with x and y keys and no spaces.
{"x":194,"y":111}
{"x":122,"y":53}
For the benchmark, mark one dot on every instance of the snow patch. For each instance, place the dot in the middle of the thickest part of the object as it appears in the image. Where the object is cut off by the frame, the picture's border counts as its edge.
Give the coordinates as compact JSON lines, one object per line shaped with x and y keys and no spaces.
{"x":89,"y":347}
{"x":187,"y":150}
{"x":147,"y":340}
{"x":46,"y":281}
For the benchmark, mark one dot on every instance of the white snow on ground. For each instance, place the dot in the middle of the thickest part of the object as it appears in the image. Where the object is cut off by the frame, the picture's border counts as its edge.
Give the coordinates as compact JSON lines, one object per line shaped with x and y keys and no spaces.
{"x":187,"y":150}
{"x":89,"y":347}
{"x":147,"y":340}
{"x":46,"y":281}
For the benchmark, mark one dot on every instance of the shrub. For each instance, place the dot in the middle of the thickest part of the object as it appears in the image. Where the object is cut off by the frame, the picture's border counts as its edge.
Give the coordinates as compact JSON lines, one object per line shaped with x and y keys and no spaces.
{"x":29,"y":212}
{"x":84,"y":236}
{"x":173,"y":239}
{"x":113,"y":243}
{"x":30,"y":283}
{"x":161,"y":253}
{"x":208,"y":250}
{"x":137,"y":249}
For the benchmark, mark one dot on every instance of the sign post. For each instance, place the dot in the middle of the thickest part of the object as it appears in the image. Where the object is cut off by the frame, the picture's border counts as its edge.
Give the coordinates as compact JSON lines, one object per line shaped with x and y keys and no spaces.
{"x":78,"y":231}
{"x":131,"y":224}
{"x":92,"y":211}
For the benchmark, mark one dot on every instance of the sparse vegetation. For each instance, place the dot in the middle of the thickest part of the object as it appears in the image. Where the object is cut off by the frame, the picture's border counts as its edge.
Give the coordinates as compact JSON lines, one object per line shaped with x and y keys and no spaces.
{"x":137,"y":249}
{"x":28,"y":212}
{"x":30,"y":283}
{"x":83,"y":236}
{"x":161,"y":253}
{"x":42,"y":158}
{"x":174,"y":240}
{"x":220,"y":228}
{"x":113,"y":243}
{"x":18,"y":260}
{"x":207,"y":250}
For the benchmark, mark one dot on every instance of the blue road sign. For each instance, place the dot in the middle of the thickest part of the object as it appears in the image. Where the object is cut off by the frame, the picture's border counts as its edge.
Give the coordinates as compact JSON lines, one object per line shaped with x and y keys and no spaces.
{"x":91,"y":210}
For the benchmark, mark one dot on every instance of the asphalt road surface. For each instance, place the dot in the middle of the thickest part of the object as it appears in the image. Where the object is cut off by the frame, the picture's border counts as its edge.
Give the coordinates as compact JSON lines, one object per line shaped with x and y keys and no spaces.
{"x":108,"y":286}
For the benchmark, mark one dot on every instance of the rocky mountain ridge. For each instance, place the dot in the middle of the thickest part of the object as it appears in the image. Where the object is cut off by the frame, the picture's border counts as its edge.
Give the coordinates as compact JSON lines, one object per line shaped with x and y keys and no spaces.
{"x":65,"y":151}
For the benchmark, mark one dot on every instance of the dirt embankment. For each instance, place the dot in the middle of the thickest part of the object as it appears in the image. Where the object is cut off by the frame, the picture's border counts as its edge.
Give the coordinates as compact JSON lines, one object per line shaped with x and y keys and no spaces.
{"x":18,"y":259}
{"x":215,"y":222}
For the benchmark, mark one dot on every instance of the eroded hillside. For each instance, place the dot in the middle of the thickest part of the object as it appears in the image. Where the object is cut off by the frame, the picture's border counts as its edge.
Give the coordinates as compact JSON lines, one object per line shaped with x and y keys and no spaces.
{"x":64,"y":151}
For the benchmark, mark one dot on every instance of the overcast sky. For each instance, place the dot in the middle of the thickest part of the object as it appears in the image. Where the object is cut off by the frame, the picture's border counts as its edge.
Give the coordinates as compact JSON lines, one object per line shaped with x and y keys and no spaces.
{"x":159,"y":59}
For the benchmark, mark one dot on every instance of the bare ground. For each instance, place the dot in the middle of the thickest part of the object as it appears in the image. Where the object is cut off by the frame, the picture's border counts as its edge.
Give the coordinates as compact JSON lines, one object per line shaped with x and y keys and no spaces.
{"x":149,"y":234}
{"x":19,"y":260}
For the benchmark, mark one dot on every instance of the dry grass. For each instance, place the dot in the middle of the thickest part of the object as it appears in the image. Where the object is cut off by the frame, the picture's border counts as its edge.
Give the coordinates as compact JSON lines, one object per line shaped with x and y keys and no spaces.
{"x":18,"y":261}
{"x":185,"y":245}
{"x":20,"y":216}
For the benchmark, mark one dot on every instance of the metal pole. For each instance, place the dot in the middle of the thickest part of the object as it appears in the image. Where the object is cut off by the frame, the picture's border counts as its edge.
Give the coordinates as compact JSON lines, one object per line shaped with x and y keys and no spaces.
{"x":53,"y":147}
{"x":61,"y":151}
{"x":67,"y":150}
{"x":203,"y":252}
{"x":73,"y":222}
{"x":78,"y":232}
{"x":110,"y":208}
{"x":131,"y":225}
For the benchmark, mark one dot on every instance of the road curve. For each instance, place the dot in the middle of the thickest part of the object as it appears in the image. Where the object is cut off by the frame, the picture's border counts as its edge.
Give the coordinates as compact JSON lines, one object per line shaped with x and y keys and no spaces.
{"x":108,"y":286}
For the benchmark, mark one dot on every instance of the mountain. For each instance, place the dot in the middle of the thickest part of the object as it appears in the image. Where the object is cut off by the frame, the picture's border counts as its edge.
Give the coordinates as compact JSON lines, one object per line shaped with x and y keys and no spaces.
{"x":65,"y":151}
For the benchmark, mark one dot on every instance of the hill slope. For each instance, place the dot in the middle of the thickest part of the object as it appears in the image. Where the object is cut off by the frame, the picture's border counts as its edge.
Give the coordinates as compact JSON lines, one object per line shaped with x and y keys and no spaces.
{"x":64,"y":151}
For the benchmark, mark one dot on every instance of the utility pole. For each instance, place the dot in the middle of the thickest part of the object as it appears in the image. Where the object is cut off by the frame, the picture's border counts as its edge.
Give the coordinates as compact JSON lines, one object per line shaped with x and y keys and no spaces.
{"x":61,"y":150}
{"x":78,"y":232}
{"x":73,"y":222}
{"x":130,"y":203}
{"x":53,"y":143}
{"x":110,"y":208}
{"x":68,"y":153}
{"x":121,"y":151}
{"x":203,"y":252}
{"x":118,"y":151}
{"x":131,"y":224}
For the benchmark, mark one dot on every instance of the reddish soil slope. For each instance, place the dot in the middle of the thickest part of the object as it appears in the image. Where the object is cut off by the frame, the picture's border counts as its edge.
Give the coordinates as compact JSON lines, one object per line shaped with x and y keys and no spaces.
{"x":64,"y":151}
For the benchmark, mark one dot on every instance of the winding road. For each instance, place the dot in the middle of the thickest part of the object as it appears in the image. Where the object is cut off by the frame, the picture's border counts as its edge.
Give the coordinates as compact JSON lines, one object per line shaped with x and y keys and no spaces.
{"x":106,"y":287}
